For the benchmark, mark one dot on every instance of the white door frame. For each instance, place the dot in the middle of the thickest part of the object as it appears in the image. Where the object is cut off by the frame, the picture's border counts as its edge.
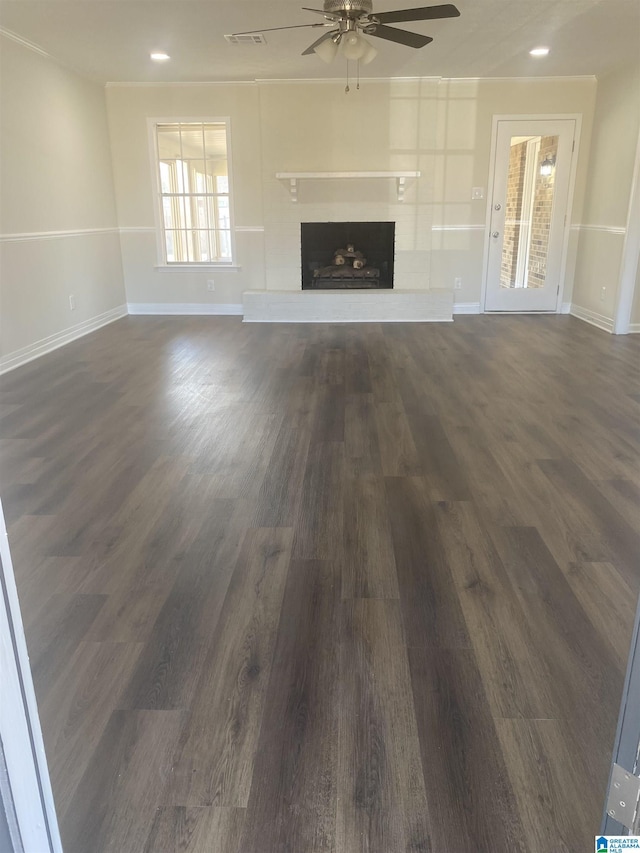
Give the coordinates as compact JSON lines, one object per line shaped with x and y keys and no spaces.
{"x":20,"y":731}
{"x":577,"y":117}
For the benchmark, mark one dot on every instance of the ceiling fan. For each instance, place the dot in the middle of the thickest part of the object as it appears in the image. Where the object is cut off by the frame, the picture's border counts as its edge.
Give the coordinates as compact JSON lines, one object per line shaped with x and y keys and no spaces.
{"x":349,"y":19}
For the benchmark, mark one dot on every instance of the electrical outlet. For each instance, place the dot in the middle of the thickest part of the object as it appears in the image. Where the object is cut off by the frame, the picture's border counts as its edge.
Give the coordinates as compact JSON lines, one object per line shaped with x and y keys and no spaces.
{"x":72,"y":302}
{"x":603,"y":290}
{"x":457,"y":283}
{"x":210,"y":284}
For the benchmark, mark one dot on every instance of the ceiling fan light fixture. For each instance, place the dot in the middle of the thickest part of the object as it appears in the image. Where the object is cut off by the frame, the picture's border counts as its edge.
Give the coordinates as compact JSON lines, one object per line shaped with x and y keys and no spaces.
{"x":327,"y":50}
{"x":370,"y":53}
{"x":160,"y":56}
{"x":353,"y":46}
{"x":539,"y":51}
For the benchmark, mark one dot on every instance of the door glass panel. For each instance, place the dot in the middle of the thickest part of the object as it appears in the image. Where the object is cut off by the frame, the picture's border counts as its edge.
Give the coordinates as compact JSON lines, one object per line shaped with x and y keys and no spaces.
{"x":528,"y":211}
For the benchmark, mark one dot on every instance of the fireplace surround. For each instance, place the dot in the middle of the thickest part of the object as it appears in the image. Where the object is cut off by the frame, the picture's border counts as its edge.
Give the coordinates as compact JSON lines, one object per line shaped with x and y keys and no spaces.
{"x":373,"y":242}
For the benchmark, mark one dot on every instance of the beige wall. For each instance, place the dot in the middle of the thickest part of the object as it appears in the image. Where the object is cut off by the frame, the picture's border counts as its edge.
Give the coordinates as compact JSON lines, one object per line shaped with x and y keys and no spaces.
{"x":440,"y":128}
{"x":55,"y":176}
{"x":315,"y":127}
{"x":129,"y":108}
{"x":466,"y":115}
{"x":613,"y":149}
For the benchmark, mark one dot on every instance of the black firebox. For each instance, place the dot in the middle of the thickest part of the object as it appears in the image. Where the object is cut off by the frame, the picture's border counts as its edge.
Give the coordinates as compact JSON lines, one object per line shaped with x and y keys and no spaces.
{"x":347,"y":255}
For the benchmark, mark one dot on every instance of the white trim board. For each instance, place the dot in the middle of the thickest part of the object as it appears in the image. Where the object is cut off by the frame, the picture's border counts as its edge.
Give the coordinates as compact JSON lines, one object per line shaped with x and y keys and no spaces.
{"x":466,"y":308}
{"x":55,"y":235}
{"x":592,"y":317}
{"x":605,"y":229}
{"x":22,"y":356}
{"x":458,"y":227}
{"x":150,"y":229}
{"x":634,"y":328}
{"x":185,"y":309}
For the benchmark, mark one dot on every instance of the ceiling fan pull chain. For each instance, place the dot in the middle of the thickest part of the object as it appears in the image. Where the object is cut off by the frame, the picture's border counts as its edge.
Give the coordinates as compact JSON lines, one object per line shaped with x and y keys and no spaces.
{"x":358,"y":70}
{"x":346,"y":88}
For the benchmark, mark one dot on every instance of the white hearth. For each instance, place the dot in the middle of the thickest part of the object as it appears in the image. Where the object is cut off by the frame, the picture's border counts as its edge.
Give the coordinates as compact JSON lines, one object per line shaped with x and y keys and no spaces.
{"x":348,"y":306}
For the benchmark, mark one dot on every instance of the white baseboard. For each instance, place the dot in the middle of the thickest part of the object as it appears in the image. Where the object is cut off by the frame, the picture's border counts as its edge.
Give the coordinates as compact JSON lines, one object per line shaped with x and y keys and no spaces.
{"x":565,"y":308}
{"x":592,"y":317}
{"x":53,"y":342}
{"x":466,"y":308}
{"x":184,"y":308}
{"x":634,"y":328}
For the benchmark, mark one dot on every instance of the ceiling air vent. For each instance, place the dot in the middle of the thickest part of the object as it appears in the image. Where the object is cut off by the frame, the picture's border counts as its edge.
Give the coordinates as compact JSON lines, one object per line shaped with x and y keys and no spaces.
{"x":253,"y":38}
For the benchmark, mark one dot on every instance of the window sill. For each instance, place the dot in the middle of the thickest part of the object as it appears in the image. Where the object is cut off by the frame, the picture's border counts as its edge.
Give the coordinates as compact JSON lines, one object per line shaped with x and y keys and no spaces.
{"x":196,"y":267}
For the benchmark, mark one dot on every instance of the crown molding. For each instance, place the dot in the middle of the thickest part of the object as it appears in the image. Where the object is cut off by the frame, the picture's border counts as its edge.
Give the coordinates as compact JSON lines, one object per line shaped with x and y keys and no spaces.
{"x":565,"y":78}
{"x":126,"y":84}
{"x":24,"y":42}
{"x":340,"y":79}
{"x":306,"y":81}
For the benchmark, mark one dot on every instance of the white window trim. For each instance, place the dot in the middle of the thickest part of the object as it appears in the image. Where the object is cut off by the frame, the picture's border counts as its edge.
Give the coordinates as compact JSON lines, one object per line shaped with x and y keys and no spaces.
{"x":161,"y":263}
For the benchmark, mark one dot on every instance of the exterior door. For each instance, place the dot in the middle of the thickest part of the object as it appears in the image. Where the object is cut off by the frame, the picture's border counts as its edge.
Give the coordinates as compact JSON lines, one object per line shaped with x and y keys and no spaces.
{"x":532,"y":170}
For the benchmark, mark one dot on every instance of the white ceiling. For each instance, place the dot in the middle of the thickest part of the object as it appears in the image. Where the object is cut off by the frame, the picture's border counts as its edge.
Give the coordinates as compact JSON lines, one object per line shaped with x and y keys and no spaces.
{"x":110,"y":40}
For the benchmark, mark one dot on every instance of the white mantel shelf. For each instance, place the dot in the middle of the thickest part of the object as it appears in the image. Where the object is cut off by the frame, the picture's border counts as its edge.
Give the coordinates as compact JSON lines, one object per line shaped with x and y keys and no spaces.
{"x":294,"y":177}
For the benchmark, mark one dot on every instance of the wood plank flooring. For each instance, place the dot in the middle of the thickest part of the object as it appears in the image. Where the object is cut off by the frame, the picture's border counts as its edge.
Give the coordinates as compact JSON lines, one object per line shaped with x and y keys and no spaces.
{"x":314,"y":589}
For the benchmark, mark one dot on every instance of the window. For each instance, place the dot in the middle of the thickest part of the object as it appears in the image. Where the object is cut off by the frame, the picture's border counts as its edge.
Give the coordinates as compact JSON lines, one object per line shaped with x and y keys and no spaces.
{"x":193,"y":191}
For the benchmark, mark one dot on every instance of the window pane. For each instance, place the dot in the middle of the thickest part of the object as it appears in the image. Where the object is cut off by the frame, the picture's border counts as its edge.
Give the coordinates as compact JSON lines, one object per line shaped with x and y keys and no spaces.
{"x":215,"y":140}
{"x":182,"y":177}
{"x":199,"y":212}
{"x":176,"y":243}
{"x":201,"y":246}
{"x":170,"y":244}
{"x":168,"y":213}
{"x":198,"y":177}
{"x":192,"y":141}
{"x":168,"y":142}
{"x":223,"y":220}
{"x":222,"y":180}
{"x":165,"y":177}
{"x":224,"y":243}
{"x":173,"y":212}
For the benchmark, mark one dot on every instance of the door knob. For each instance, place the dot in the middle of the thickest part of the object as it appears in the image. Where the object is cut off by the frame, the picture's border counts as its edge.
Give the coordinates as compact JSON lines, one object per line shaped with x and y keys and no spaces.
{"x":496,"y":233}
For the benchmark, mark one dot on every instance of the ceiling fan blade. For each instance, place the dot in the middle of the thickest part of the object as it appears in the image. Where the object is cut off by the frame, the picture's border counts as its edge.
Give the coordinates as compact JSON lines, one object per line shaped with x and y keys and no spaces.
{"x":331,"y":15}
{"x":399,"y":36}
{"x":322,"y":38}
{"x":273,"y":29}
{"x":424,"y":13}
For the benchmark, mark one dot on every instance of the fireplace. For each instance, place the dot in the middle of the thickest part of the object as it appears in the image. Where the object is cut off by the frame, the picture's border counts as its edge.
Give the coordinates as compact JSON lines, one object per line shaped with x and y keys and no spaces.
{"x":347,"y":255}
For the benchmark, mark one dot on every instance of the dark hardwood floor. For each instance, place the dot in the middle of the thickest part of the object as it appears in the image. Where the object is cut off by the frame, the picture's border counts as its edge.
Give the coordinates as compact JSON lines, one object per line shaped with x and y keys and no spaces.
{"x":315,"y":589}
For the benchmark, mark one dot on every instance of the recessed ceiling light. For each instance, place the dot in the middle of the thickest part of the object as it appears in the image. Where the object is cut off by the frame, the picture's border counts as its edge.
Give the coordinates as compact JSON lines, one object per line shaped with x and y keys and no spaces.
{"x":539,"y":51}
{"x":160,"y":57}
